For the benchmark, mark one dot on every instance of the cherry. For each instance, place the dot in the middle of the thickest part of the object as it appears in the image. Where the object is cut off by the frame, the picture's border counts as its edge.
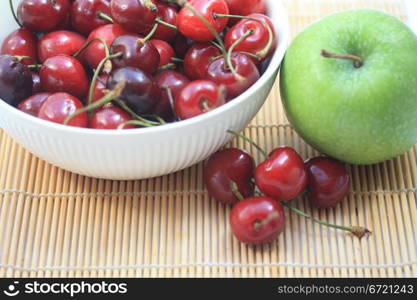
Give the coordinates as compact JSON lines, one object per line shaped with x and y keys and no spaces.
{"x":165,"y":50}
{"x":175,"y":82}
{"x":43,"y":15}
{"x":15,"y":80}
{"x":141,"y":93}
{"x":257,"y":220}
{"x":95,"y":52}
{"x":182,"y":44}
{"x":21,"y":42}
{"x":85,"y":14}
{"x":64,"y":73}
{"x":190,"y":25}
{"x":37,"y":86}
{"x":328,"y":181}
{"x":245,"y":68}
{"x":246,"y":7}
{"x":198,"y":59}
{"x":137,"y":53}
{"x":167,"y":14}
{"x":59,"y":42}
{"x":227,"y":166}
{"x":134,"y":15}
{"x":110,"y":118}
{"x":33,"y":104}
{"x":282,"y":175}
{"x":199,"y":97}
{"x":100,"y":87}
{"x":59,"y":106}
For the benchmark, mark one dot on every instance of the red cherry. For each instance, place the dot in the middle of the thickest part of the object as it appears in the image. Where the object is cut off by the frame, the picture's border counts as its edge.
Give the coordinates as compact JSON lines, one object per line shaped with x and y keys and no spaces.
{"x":165,"y":50}
{"x":173,"y":80}
{"x":257,"y":220}
{"x":198,"y":59}
{"x":21,"y":42}
{"x":257,"y":42}
{"x":43,"y":15}
{"x":224,"y":167}
{"x":168,"y":14}
{"x":246,"y":7}
{"x":33,"y":104}
{"x":110,"y":118}
{"x":37,"y":86}
{"x":133,"y":15}
{"x":100,"y":87}
{"x":64,"y":73}
{"x":59,"y":106}
{"x":85,"y":14}
{"x":199,"y":97}
{"x":219,"y":73}
{"x":59,"y":42}
{"x":191,"y":26}
{"x":95,"y":52}
{"x":328,"y":181}
{"x":283,"y":175}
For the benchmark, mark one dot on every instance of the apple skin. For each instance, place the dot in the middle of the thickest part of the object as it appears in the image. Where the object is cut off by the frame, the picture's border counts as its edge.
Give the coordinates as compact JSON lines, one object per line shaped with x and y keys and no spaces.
{"x":360,"y":115}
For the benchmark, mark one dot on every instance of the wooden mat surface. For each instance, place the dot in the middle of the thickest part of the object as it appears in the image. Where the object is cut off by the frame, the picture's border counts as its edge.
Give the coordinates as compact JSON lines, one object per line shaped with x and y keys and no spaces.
{"x":55,"y":223}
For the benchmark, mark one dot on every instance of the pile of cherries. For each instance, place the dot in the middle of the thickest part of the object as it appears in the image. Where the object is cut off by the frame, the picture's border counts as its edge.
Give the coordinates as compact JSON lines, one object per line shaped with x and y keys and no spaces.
{"x":258,"y":195}
{"x":120,"y":64}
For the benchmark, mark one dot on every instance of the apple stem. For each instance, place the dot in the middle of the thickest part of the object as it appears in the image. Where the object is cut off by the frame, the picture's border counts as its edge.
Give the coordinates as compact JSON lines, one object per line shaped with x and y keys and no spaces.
{"x":263,"y":152}
{"x":235,"y":190}
{"x":357,"y":61}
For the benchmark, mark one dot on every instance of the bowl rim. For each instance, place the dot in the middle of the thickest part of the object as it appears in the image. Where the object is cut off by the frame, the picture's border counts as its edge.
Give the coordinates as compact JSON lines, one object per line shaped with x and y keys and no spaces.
{"x":279,"y":17}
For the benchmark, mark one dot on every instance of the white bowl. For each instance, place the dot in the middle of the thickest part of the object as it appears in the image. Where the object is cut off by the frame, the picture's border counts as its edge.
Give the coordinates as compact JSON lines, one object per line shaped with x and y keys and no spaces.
{"x":141,"y":153}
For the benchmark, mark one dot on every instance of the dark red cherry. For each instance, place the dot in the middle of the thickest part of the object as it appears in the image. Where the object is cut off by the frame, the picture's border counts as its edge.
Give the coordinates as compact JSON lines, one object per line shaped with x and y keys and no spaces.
{"x":257,"y":220}
{"x":100,"y":87}
{"x":328,"y":181}
{"x":37,"y":86}
{"x":141,"y":93}
{"x":198,"y":59}
{"x":57,"y":107}
{"x":246,"y":7}
{"x":175,"y":82}
{"x":21,"y":42}
{"x":33,"y":104}
{"x":64,"y":73}
{"x":283,"y":175}
{"x":59,"y":42}
{"x":110,"y":118}
{"x":85,"y":14}
{"x":181,"y":45}
{"x":199,"y":97}
{"x":15,"y":80}
{"x":227,"y":166}
{"x":165,"y":50}
{"x":43,"y":15}
{"x":192,"y":27}
{"x":168,"y":14}
{"x":137,"y":53}
{"x":221,"y":74}
{"x":133,"y":15}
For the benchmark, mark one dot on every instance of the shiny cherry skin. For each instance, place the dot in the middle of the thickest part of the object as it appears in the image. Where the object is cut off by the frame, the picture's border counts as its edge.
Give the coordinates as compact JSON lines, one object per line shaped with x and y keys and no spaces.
{"x":64,"y":73}
{"x":283,"y":175}
{"x":60,"y":42}
{"x":192,"y":27}
{"x":95,"y":52}
{"x":37,"y":86}
{"x":141,"y":93}
{"x":85,"y":15}
{"x":328,"y":181}
{"x":246,"y":7}
{"x":33,"y":104}
{"x":100,"y":87}
{"x":245,"y":67}
{"x":173,"y":80}
{"x":21,"y":42}
{"x":257,"y":220}
{"x":257,"y":42}
{"x":133,"y":15}
{"x":110,"y":118}
{"x":15,"y":80}
{"x":199,"y":97}
{"x":43,"y":15}
{"x":59,"y":106}
{"x":198,"y":59}
{"x":227,"y":166}
{"x":136,"y":53}
{"x":165,"y":50}
{"x":167,"y":14}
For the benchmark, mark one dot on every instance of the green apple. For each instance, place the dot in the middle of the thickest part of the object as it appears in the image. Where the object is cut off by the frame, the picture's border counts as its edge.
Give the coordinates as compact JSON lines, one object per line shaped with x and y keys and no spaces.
{"x":349,"y":86}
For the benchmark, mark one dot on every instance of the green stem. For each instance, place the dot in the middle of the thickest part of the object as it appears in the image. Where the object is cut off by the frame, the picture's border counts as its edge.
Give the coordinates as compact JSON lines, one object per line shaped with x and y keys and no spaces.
{"x":14,"y":13}
{"x":169,"y":25}
{"x":171,"y":101}
{"x":126,"y":108}
{"x":150,"y":5}
{"x":177,"y":60}
{"x":263,"y":152}
{"x":229,"y":55}
{"x":149,"y":35}
{"x":35,"y":66}
{"x":85,"y":46}
{"x":235,"y":190}
{"x":133,"y":122}
{"x":105,"y":17}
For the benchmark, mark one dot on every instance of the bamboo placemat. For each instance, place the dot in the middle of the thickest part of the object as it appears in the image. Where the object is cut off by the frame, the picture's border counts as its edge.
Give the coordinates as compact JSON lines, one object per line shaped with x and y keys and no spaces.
{"x":55,"y":223}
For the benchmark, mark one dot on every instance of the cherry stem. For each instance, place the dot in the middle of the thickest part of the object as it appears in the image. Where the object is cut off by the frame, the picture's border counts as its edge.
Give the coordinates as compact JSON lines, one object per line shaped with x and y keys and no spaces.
{"x":34,"y":66}
{"x":357,"y":61}
{"x":229,"y":55}
{"x":157,"y":118}
{"x":14,"y":13}
{"x":171,"y":101}
{"x":106,"y":17}
{"x":126,"y":108}
{"x":169,"y":66}
{"x":149,"y":35}
{"x":169,"y":25}
{"x":176,"y":59}
{"x":357,"y":231}
{"x":235,"y":190}
{"x":20,"y":58}
{"x":85,"y":46}
{"x":133,"y":122}
{"x":111,"y":95}
{"x":204,"y":104}
{"x":263,"y":152}
{"x":257,"y":225}
{"x":150,"y":5}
